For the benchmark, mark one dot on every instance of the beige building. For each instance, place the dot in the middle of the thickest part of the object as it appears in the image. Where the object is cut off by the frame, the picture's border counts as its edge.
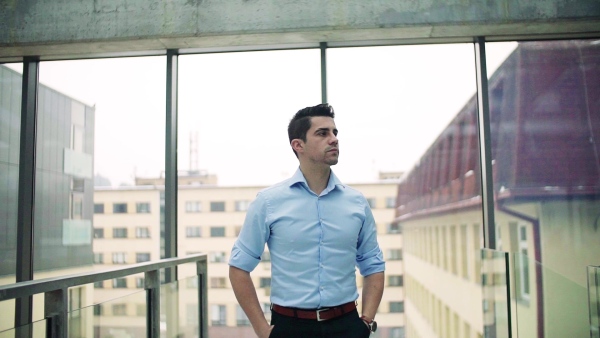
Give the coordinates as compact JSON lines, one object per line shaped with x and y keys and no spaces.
{"x":127,"y":224}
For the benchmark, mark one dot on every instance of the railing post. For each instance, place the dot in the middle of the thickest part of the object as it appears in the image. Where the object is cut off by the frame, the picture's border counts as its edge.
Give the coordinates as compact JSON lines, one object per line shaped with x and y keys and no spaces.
{"x":201,"y":268}
{"x":152,"y":286}
{"x":55,"y":312}
{"x":594,"y":299}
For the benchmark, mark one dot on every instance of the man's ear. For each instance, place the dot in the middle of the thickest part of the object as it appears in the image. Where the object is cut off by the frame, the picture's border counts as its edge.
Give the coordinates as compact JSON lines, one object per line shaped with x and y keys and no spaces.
{"x":297,"y":145}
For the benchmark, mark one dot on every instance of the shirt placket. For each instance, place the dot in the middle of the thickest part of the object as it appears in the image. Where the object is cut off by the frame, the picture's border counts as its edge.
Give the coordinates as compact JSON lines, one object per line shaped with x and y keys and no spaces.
{"x":321,"y":248}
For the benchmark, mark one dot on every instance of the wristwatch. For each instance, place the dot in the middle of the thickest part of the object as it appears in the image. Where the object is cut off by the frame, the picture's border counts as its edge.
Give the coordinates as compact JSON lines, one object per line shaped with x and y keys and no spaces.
{"x":370,"y":322}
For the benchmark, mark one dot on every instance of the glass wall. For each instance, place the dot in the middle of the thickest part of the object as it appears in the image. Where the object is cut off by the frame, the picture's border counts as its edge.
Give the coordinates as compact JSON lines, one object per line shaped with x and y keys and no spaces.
{"x":411,"y":109}
{"x":545,"y":123}
{"x":101,"y":130}
{"x":407,"y":117}
{"x":10,"y":131}
{"x":233,"y":115}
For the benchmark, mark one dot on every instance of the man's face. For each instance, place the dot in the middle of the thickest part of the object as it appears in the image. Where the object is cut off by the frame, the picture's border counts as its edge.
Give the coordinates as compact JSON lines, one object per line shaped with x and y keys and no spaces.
{"x":321,"y":144}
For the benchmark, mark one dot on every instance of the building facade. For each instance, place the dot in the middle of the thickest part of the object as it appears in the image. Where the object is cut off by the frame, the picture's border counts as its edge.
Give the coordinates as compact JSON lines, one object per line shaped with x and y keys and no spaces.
{"x":546,"y":192}
{"x":127,"y":230}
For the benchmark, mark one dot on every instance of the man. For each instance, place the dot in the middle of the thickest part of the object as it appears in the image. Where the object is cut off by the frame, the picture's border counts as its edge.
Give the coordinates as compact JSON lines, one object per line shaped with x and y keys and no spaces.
{"x":317,"y":231}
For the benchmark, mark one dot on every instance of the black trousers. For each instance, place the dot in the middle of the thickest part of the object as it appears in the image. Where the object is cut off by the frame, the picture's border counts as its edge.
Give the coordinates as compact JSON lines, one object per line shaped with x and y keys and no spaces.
{"x":348,"y":325}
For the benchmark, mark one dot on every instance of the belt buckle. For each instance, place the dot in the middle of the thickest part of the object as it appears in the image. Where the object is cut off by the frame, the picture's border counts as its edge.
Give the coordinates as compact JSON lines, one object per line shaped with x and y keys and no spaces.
{"x":319,"y":314}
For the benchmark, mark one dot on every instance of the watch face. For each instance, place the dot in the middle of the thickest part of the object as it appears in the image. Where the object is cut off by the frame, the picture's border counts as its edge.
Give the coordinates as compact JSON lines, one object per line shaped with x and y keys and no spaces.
{"x":373,"y":326}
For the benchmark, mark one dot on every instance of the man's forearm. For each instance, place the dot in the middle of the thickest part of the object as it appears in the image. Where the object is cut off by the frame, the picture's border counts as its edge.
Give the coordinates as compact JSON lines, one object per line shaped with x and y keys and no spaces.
{"x":371,"y":294}
{"x":244,"y":291}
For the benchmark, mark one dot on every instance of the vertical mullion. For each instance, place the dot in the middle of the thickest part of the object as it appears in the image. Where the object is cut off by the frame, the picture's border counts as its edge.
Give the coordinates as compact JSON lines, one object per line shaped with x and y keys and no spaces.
{"x":485,"y":145}
{"x":201,"y":274}
{"x":170,"y":240}
{"x":323,"y":47}
{"x":26,"y":194}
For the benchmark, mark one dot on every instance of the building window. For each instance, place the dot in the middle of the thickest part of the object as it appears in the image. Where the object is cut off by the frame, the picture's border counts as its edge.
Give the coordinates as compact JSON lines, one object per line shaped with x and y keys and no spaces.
{"x":120,"y":233}
{"x":394,"y":228}
{"x":140,"y":282}
{"x":98,"y":258}
{"x":217,"y":206}
{"x":372,"y":202}
{"x":98,"y":310}
{"x":265,"y":257}
{"x":191,"y":314}
{"x":394,"y":255}
{"x":193,"y":206}
{"x":217,"y":232}
{"x":218,"y":315}
{"x":99,"y":285}
{"x":119,"y":208}
{"x":238,"y":229}
{"x":119,"y":258}
{"x":522,"y":273}
{"x":217,"y":257}
{"x":242,"y":205}
{"x":76,"y":205}
{"x":191,"y":283}
{"x":142,"y":232}
{"x":395,"y":280}
{"x":98,"y":232}
{"x":98,"y":208}
{"x":397,"y":307}
{"x":193,"y":231}
{"x":140,"y":310}
{"x":398,"y":332}
{"x":119,"y":309}
{"x":240,"y":316}
{"x":390,"y":202}
{"x":119,"y":283}
{"x":142,"y":208}
{"x":265,"y":282}
{"x":142,"y":257}
{"x":266,"y":308}
{"x":217,"y":282}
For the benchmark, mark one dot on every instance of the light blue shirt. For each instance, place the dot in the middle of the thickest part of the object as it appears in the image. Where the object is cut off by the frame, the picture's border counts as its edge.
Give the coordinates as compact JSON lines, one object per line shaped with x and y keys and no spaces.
{"x":315,"y":242}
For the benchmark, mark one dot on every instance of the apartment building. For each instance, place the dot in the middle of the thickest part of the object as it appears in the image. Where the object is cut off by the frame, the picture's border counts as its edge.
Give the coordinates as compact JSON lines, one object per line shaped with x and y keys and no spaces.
{"x":127,"y":223}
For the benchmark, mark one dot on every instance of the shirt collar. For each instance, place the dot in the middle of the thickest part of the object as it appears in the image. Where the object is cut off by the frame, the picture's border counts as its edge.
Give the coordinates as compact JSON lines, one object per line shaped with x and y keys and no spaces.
{"x":298,"y":177}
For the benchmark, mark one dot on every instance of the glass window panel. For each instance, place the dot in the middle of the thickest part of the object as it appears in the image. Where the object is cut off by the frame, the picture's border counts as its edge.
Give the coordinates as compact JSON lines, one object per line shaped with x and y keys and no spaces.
{"x":11,"y":82}
{"x":90,"y":113}
{"x":101,"y":131}
{"x":217,"y":231}
{"x":412,"y":109}
{"x":545,"y":127}
{"x":234,"y":109}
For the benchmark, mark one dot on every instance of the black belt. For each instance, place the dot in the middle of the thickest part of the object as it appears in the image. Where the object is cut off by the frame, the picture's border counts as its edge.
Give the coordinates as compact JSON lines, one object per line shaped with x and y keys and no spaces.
{"x":318,"y":315}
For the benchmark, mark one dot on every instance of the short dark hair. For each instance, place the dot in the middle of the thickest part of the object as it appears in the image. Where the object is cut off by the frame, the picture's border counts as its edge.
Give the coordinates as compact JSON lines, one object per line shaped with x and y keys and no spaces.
{"x":300,"y":123}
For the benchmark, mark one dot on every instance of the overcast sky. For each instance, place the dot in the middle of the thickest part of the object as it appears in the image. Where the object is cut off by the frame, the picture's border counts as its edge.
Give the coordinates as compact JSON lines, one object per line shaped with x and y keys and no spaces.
{"x":390,"y":104}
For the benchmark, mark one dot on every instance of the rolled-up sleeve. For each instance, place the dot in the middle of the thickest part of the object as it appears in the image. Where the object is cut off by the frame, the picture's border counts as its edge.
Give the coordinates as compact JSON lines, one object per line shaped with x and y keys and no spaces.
{"x":255,"y":232}
{"x":369,"y":257}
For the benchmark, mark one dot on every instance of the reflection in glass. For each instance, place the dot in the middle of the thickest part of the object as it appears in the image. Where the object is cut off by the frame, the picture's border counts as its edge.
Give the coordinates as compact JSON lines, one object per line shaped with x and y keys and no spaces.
{"x":496,"y":300}
{"x":36,"y":329}
{"x":594,"y":300}
{"x":179,"y":308}
{"x":10,"y":124}
{"x":545,"y":126}
{"x":565,"y":301}
{"x":124,"y":316}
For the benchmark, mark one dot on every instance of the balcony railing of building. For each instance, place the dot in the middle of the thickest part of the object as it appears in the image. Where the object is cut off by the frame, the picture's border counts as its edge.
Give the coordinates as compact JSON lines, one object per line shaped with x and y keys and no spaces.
{"x":56,"y":296}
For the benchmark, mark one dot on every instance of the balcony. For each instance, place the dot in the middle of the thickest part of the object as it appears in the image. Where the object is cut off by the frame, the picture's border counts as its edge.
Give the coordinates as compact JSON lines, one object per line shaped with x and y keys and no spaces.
{"x":157,"y":313}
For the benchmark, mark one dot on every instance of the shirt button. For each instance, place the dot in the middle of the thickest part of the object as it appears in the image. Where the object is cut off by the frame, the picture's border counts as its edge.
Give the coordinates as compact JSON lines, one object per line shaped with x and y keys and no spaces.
{"x":322,"y":288}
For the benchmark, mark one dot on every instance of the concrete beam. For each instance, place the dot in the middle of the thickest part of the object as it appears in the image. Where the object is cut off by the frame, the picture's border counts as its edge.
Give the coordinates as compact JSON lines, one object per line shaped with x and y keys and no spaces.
{"x":64,"y":28}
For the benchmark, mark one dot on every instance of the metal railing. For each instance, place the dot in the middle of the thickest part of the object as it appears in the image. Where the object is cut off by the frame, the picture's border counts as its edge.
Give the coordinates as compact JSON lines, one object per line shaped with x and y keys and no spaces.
{"x":56,"y":300}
